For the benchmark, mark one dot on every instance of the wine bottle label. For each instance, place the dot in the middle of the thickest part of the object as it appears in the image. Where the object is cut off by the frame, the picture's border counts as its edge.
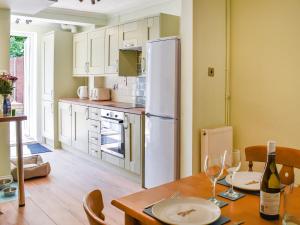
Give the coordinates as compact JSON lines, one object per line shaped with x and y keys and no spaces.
{"x":269,"y":203}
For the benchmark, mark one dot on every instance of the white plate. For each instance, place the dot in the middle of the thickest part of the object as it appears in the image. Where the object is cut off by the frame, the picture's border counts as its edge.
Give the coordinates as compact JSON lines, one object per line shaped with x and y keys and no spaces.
{"x":198,"y":211}
{"x":242,"y":180}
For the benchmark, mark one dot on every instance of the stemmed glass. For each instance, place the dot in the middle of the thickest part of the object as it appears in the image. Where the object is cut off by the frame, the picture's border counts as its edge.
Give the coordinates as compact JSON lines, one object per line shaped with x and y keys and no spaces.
{"x":231,"y":168}
{"x":213,"y":167}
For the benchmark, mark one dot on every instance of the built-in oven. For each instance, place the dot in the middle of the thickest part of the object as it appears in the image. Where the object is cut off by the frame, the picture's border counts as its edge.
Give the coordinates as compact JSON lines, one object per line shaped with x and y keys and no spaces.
{"x":112,"y":133}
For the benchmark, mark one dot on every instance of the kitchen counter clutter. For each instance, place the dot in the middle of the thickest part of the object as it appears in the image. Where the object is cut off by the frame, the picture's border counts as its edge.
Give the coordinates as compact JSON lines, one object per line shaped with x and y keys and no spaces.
{"x":109,"y":131}
{"x":118,"y":106}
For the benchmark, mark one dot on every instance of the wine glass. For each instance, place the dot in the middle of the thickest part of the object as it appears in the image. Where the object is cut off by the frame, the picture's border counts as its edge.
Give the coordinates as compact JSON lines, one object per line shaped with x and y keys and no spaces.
{"x":231,"y":168}
{"x":213,"y":167}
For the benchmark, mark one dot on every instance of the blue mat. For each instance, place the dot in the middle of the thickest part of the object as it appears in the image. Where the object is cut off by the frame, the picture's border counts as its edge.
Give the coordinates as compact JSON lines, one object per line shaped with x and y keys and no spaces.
{"x":37,"y":149}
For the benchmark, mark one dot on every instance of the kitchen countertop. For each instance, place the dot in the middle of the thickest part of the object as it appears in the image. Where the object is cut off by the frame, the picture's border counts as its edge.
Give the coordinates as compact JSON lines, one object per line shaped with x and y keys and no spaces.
{"x":117,"y":106}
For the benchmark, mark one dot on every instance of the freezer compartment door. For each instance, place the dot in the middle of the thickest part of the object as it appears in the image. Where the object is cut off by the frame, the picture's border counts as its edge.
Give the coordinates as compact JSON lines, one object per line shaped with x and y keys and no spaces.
{"x":162,"y":86}
{"x":161,"y":151}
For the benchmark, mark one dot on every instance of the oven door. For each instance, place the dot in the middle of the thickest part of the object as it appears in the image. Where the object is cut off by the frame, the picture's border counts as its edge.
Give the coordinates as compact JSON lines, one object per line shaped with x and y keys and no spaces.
{"x":113,"y":137}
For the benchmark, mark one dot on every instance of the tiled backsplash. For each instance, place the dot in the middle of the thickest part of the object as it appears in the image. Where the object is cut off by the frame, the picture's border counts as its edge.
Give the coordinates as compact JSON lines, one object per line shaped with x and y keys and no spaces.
{"x":126,"y":89}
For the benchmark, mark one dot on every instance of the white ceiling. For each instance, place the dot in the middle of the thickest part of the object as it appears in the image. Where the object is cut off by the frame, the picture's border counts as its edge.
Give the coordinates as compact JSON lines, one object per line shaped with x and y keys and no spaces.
{"x":106,"y":6}
{"x":27,"y":7}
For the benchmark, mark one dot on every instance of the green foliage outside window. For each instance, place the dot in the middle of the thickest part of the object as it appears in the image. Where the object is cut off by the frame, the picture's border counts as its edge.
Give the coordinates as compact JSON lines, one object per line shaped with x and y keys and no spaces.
{"x":16,"y":46}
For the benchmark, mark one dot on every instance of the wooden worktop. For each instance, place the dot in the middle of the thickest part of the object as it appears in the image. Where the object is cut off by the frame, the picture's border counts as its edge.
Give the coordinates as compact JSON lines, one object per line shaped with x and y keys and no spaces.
{"x":12,"y":118}
{"x":117,"y":106}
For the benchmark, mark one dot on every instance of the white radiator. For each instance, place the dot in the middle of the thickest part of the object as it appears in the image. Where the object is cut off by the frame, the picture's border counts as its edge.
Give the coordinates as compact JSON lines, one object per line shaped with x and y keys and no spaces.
{"x":216,"y":141}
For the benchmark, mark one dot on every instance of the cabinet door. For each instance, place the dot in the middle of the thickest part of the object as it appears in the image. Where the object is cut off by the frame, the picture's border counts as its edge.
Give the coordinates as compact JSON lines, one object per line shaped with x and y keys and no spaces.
{"x":80,"y":128}
{"x":133,"y":34}
{"x":48,"y":67}
{"x":153,"y":28}
{"x":96,"y":40}
{"x":133,"y":143}
{"x":65,"y":122}
{"x":48,"y":118}
{"x":112,"y":50}
{"x":80,"y":61}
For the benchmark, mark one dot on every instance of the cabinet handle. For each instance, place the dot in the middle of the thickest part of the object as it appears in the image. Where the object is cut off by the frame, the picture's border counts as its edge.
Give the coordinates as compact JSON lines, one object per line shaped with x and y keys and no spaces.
{"x":52,"y":108}
{"x":86,"y":113}
{"x":130,"y":143}
{"x":70,"y":110}
{"x":95,"y":126}
{"x":86,"y":67}
{"x":143,"y":65}
{"x":94,"y":138}
{"x":117,"y":65}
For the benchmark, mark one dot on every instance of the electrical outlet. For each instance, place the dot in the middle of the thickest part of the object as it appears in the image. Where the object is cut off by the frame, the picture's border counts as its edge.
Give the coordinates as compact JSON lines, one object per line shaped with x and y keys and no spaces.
{"x":211,"y":71}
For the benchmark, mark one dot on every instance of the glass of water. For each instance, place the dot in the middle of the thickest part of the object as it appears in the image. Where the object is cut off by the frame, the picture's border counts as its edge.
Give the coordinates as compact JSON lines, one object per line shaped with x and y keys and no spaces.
{"x":291,"y":205}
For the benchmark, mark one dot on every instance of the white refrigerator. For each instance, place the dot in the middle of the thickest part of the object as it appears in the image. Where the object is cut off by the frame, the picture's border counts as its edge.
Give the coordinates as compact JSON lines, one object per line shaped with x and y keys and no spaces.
{"x":162,"y":112}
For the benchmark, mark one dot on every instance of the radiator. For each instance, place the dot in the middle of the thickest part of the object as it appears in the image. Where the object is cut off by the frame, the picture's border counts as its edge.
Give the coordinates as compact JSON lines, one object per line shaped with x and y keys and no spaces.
{"x":215,"y":142}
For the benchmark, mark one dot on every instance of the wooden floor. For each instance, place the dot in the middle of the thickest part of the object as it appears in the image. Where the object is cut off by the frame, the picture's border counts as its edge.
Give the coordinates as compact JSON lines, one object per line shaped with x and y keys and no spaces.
{"x":57,"y":199}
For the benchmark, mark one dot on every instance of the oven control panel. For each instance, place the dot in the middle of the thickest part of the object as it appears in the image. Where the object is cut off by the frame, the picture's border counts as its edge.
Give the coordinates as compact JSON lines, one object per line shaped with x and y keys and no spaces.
{"x":112,"y":114}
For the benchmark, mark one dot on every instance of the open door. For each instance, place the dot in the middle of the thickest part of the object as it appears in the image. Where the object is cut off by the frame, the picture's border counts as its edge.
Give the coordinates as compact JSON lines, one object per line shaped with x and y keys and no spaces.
{"x":27,"y":87}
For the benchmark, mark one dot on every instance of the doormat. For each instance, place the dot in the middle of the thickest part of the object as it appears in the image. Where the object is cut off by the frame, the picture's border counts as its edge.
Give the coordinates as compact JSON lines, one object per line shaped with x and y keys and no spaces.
{"x":12,"y":198}
{"x":37,"y":149}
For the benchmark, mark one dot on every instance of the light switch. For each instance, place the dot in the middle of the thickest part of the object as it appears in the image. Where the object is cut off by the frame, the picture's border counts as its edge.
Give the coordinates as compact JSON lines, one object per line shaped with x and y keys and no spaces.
{"x":211,"y":71}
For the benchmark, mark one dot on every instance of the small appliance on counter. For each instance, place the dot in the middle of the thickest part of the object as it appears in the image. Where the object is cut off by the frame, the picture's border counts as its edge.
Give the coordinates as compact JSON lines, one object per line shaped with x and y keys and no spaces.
{"x":82,"y":92}
{"x":100,"y":94}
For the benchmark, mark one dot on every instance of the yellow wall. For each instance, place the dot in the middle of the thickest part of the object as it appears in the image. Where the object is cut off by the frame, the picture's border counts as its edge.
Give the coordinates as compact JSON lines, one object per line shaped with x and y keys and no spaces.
{"x":4,"y":66}
{"x":203,"y":97}
{"x":265,"y":72}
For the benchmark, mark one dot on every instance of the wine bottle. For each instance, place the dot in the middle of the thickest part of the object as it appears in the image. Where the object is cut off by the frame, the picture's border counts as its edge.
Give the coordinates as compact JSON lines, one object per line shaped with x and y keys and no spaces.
{"x":270,"y":187}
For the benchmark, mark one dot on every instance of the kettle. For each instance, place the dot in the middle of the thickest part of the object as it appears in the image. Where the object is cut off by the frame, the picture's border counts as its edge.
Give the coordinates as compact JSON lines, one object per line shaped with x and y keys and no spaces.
{"x":82,"y":92}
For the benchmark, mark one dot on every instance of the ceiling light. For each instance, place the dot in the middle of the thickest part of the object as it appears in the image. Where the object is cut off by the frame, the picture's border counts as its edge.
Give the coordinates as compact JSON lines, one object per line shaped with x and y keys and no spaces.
{"x":93,"y":1}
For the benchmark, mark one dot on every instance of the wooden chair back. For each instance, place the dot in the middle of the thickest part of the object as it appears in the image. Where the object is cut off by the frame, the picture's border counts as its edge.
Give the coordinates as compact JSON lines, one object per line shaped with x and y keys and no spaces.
{"x":93,"y":207}
{"x":289,"y":158}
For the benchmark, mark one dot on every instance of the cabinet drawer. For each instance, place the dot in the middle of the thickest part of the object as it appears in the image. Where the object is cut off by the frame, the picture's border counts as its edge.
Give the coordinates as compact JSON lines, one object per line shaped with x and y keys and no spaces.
{"x":94,"y":113}
{"x":94,"y":150}
{"x":94,"y":138}
{"x":94,"y":126}
{"x":113,"y":159}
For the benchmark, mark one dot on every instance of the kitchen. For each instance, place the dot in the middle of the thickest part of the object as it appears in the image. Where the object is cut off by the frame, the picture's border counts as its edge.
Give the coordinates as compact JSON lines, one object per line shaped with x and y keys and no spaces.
{"x":108,"y":122}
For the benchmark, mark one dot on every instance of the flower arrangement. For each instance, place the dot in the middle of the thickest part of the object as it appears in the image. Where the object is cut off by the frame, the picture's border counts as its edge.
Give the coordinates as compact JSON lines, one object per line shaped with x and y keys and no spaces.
{"x":6,"y":84}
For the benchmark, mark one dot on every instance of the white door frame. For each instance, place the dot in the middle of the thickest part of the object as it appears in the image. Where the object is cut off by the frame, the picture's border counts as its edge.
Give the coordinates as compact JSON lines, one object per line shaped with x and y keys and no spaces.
{"x":30,"y":82}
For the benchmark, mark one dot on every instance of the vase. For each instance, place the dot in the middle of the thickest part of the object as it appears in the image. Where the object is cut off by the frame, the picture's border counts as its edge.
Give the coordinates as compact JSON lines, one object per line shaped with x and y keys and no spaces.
{"x":6,"y":109}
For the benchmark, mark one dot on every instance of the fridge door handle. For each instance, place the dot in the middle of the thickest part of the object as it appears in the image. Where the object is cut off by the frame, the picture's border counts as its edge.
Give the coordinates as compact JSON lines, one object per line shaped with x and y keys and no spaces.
{"x":161,"y":117}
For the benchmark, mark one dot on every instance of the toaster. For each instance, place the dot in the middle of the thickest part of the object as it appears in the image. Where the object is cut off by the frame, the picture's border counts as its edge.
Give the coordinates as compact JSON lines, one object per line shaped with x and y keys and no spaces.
{"x":100,"y":94}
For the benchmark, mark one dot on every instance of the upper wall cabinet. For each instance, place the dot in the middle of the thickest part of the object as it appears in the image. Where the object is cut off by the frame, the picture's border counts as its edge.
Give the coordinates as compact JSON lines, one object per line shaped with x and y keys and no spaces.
{"x":96,"y":40}
{"x":88,"y":53}
{"x":112,"y":50}
{"x":133,"y":34}
{"x":80,"y":54}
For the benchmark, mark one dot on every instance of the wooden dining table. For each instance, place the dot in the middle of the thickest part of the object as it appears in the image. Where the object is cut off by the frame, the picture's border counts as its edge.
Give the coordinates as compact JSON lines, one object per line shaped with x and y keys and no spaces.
{"x":244,"y":209}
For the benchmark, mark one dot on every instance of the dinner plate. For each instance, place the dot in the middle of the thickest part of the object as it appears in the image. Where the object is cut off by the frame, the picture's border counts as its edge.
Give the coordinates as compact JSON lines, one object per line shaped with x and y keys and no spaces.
{"x":249,"y":181}
{"x":186,"y":211}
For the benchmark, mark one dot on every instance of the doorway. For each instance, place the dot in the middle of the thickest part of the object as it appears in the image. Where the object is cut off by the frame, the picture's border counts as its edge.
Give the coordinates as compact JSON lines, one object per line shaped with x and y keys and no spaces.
{"x":22,"y":65}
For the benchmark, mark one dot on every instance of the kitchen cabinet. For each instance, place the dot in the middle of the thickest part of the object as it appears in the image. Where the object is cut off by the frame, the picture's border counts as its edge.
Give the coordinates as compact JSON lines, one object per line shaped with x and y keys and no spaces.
{"x":133,"y":34}
{"x":48,"y":66}
{"x":153,"y":28}
{"x":95,"y":48}
{"x":47,"y":118}
{"x":134,"y":135}
{"x":80,"y":128}
{"x":112,"y":50}
{"x":56,"y":72}
{"x":88,"y":53}
{"x":80,"y":58}
{"x":65,"y":122}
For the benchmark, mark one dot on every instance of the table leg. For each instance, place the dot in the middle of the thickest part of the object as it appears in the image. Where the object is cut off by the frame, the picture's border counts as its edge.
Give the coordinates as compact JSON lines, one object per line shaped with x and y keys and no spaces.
{"x":20,"y":164}
{"x":130,"y":220}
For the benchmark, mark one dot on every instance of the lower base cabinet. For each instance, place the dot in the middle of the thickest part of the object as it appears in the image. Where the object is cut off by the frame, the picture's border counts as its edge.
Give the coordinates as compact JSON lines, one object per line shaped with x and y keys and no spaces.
{"x":80,"y":130}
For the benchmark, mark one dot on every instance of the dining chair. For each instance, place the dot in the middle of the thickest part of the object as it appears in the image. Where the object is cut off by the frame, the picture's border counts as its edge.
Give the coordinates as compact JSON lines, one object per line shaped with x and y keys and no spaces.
{"x":289,"y":158}
{"x":93,"y":207}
